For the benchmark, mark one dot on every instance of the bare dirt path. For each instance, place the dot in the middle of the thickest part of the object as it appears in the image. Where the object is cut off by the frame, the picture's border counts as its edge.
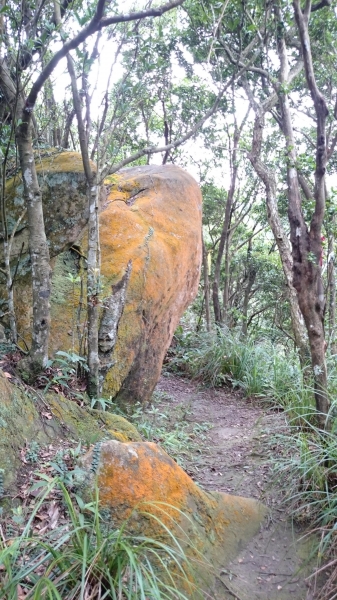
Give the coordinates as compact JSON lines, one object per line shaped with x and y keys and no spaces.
{"x":234,"y":456}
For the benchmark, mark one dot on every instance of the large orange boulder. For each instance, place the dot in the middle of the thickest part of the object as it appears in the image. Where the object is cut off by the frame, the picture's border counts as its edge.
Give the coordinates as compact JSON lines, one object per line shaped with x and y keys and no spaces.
{"x":136,"y":480}
{"x":150,"y":244}
{"x":150,"y":236}
{"x":152,"y":223}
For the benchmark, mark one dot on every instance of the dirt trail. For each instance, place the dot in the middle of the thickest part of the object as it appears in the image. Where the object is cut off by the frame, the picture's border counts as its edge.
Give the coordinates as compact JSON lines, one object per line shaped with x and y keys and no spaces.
{"x":234,"y":458}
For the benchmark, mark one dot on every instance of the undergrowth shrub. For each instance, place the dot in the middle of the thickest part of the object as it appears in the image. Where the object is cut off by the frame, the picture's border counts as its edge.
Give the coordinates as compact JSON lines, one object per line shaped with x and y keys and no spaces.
{"x":256,"y":366}
{"x":306,"y":470}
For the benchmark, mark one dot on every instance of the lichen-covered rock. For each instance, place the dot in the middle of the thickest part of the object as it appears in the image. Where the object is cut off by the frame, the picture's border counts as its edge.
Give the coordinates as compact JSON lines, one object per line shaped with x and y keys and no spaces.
{"x":26,"y":417}
{"x":65,"y":206}
{"x":150,"y":239}
{"x":138,"y":479}
{"x":63,"y":186}
{"x":118,"y":427}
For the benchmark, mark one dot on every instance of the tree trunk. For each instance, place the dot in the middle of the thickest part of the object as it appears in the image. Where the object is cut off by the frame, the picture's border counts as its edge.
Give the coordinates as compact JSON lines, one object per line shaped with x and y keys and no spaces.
{"x":251,"y":276}
{"x":307,"y":244}
{"x":206,"y":286}
{"x":218,"y":314}
{"x":226,"y":282}
{"x":280,"y":235}
{"x":93,"y":277}
{"x":38,"y":247}
{"x":332,"y":291}
{"x":39,"y":253}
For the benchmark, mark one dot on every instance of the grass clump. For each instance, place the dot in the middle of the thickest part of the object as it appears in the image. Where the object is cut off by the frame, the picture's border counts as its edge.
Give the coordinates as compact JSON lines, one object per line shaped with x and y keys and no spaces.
{"x":256,"y":366}
{"x":86,"y":558}
{"x":306,"y":472}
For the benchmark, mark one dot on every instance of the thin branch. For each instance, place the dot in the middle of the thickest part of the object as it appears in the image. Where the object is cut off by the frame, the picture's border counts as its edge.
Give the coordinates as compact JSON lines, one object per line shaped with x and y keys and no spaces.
{"x":96,"y":24}
{"x":184,"y":138}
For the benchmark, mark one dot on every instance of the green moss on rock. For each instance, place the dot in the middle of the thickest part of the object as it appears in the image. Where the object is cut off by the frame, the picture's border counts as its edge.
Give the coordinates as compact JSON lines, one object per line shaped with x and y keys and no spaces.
{"x":116,"y":423}
{"x":25,"y":417}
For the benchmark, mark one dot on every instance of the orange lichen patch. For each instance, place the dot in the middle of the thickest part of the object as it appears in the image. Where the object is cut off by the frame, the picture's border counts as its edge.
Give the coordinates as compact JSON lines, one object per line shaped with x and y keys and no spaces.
{"x":151,"y":475}
{"x":153,"y":218}
{"x":137,"y":480}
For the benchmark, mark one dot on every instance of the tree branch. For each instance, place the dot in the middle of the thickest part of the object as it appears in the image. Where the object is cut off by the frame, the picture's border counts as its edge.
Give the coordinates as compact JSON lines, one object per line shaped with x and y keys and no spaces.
{"x":97,"y":23}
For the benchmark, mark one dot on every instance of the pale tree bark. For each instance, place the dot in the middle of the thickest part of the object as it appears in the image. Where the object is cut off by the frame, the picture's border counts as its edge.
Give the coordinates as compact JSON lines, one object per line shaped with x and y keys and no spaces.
{"x":93,"y":275}
{"x":206,"y":285}
{"x":332,"y":290}
{"x":38,"y":247}
{"x":251,"y":273}
{"x":234,"y":167}
{"x":268,"y":178}
{"x":307,"y":241}
{"x":226,"y":286}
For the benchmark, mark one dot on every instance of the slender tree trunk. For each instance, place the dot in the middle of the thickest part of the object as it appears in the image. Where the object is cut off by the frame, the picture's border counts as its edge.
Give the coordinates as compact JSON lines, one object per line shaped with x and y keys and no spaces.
{"x":224,"y":237}
{"x":280,"y":235}
{"x":39,"y":253}
{"x":332,"y":290}
{"x":93,"y":277}
{"x":307,"y":243}
{"x":38,"y":247}
{"x":226,"y":282}
{"x":67,"y":126}
{"x":251,"y":276}
{"x":206,"y":286}
{"x":218,"y":314}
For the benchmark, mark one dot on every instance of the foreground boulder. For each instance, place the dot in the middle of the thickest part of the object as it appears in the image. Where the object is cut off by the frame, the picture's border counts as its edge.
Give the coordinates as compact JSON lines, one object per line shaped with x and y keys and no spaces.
{"x":27,"y":416}
{"x":136,"y":480}
{"x":150,"y":232}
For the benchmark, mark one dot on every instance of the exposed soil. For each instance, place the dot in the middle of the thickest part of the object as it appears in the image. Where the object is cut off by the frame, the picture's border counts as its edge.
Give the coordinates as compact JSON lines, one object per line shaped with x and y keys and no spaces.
{"x":234,"y":456}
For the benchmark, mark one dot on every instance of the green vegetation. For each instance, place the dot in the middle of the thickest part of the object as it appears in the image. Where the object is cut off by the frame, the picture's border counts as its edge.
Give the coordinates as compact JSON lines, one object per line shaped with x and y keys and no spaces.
{"x":253,"y":86}
{"x":167,"y":426}
{"x":86,"y":557}
{"x":256,"y":365}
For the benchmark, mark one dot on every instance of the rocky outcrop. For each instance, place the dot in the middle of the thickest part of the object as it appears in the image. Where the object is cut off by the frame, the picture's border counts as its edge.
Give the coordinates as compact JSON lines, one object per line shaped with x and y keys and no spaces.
{"x":136,"y":480}
{"x":151,"y":245}
{"x":27,"y":416}
{"x":63,"y":186}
